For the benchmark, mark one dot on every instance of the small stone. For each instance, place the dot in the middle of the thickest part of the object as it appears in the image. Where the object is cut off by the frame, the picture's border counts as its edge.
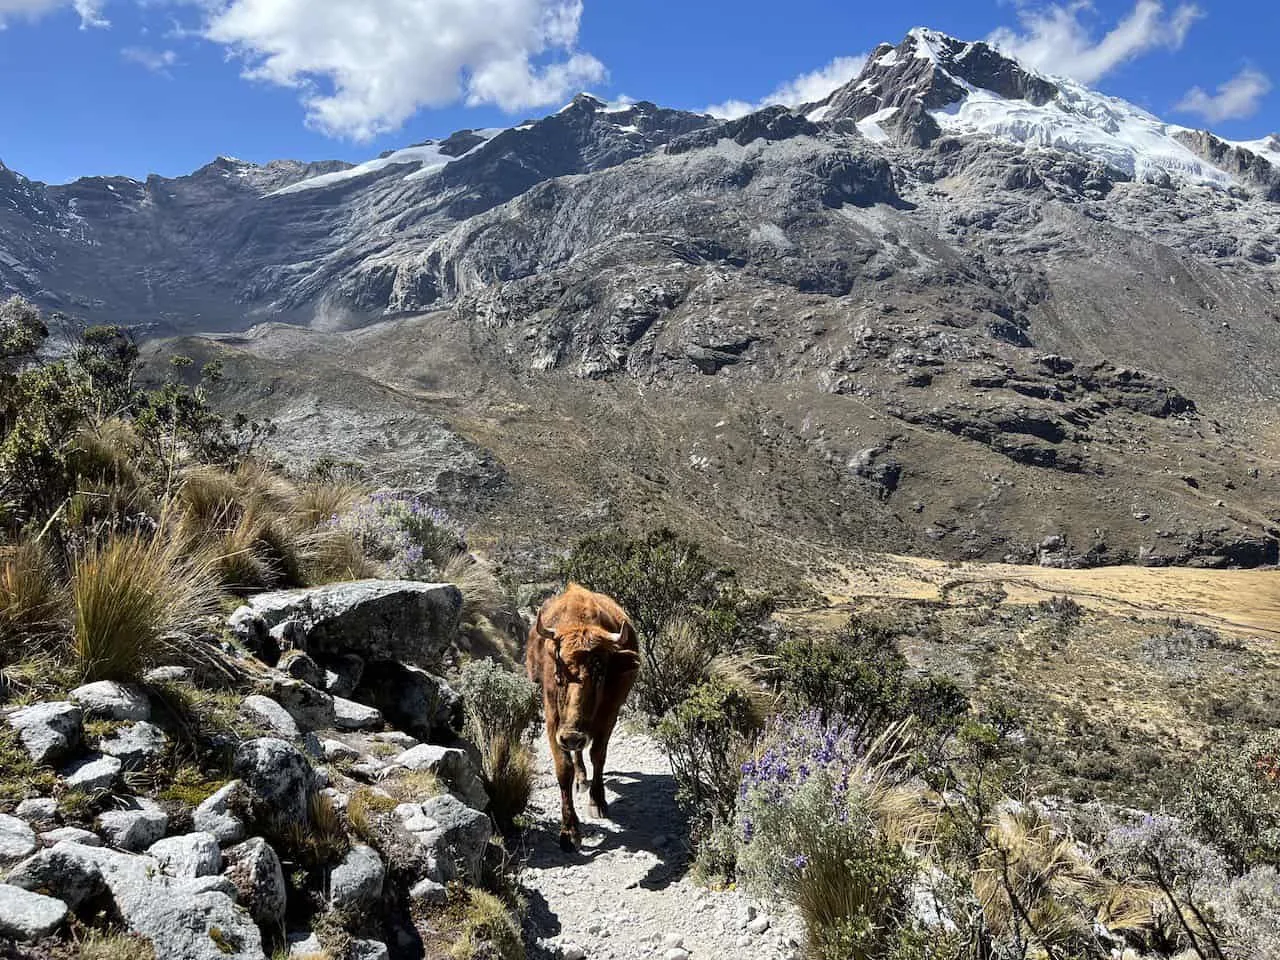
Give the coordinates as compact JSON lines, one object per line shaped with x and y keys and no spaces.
{"x":397,"y":738}
{"x":358,"y":880}
{"x":369,"y":950}
{"x":428,"y":891}
{"x":38,"y":810}
{"x":169,"y":675}
{"x":349,"y":715}
{"x":84,"y":837}
{"x":310,"y":708}
{"x":744,"y":941}
{"x":28,"y":916}
{"x":17,"y":839}
{"x":758,"y":926}
{"x":299,"y":666}
{"x":255,"y":870}
{"x":49,"y":731}
{"x":192,"y":855}
{"x":135,"y":745}
{"x":571,"y":951}
{"x":673,"y":941}
{"x":94,"y":775}
{"x":368,"y":769}
{"x":595,"y":928}
{"x":108,"y":700}
{"x":270,"y":715}
{"x":305,"y":945}
{"x":335,"y":751}
{"x":217,"y":817}
{"x":676,"y":953}
{"x":136,"y":829}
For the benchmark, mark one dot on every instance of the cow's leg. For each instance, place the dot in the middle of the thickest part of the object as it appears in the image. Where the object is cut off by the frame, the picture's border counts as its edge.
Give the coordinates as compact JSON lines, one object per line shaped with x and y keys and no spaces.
{"x":579,"y":772}
{"x":598,"y":806}
{"x":570,"y":831}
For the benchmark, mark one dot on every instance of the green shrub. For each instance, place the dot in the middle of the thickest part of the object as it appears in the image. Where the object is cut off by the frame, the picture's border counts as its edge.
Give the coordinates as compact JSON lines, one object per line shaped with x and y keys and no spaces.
{"x":687,"y":609}
{"x":707,"y":738}
{"x":1232,"y":800}
{"x":860,"y":675}
{"x":137,"y":604}
{"x":501,"y":707}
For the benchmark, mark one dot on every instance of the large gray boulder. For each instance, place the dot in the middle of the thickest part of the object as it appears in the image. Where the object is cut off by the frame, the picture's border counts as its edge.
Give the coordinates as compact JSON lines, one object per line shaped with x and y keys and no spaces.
{"x":134,"y":828}
{"x":108,"y":700}
{"x":181,"y":917}
{"x":191,"y":855}
{"x":278,"y":778}
{"x":396,"y":620}
{"x":62,"y":870}
{"x":453,"y":836}
{"x":412,"y":699}
{"x":135,"y":745}
{"x":219,"y":814}
{"x":451,"y":765}
{"x":49,"y":731}
{"x":28,"y":916}
{"x":357,"y":882}
{"x":255,"y":870}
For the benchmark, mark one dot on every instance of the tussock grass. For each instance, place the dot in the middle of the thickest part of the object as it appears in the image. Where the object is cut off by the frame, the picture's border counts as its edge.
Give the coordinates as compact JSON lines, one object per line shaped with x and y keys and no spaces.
{"x":115,"y":945}
{"x":330,"y":555}
{"x":32,"y":602}
{"x":490,"y":621}
{"x":364,"y":809}
{"x":509,"y":769}
{"x":414,"y":786}
{"x":488,"y":929}
{"x":318,"y":503}
{"x":138,"y":603}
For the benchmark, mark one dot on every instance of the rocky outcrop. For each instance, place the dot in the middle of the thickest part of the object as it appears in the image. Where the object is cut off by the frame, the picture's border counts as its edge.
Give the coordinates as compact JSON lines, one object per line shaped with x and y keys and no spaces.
{"x":407,"y":621}
{"x":278,"y":779}
{"x":49,"y":731}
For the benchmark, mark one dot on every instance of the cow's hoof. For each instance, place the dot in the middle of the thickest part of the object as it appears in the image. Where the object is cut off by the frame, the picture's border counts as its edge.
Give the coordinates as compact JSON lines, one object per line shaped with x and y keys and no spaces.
{"x":569,"y":841}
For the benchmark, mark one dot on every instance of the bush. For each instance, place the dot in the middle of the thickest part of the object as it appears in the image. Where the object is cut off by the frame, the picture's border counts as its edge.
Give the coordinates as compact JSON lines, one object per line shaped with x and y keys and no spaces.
{"x":137,"y":604}
{"x":410,"y":539}
{"x":708,"y":737}
{"x":488,"y":930}
{"x":687,"y":610}
{"x":860,"y":675}
{"x":501,"y":707}
{"x":822,"y":823}
{"x":1250,"y":915}
{"x":1232,"y":800}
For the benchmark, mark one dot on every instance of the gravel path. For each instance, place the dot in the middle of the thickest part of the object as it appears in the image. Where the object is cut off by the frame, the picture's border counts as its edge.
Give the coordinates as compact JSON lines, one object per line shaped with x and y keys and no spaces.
{"x":626,"y":895}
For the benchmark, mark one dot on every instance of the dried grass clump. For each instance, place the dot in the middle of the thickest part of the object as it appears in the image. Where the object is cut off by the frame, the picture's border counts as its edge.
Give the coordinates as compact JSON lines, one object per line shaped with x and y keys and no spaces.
{"x":32,"y":602}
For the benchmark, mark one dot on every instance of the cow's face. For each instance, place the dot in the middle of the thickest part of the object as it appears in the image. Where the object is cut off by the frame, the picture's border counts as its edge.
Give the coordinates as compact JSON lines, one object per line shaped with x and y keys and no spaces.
{"x":582,"y":661}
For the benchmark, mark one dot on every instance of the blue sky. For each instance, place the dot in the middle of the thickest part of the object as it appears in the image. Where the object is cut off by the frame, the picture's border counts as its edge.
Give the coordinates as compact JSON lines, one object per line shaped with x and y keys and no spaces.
{"x":134,"y":87}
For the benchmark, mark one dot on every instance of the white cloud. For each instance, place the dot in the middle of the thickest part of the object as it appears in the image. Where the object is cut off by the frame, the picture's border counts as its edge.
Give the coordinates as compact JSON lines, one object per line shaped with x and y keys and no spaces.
{"x":806,"y":88}
{"x":90,"y":10}
{"x":1055,"y":39}
{"x":363,"y":67}
{"x":1238,"y":98}
{"x":157,"y":61}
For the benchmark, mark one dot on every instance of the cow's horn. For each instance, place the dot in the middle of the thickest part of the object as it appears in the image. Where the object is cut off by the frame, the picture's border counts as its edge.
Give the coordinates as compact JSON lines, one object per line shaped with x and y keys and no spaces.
{"x":615,"y":638}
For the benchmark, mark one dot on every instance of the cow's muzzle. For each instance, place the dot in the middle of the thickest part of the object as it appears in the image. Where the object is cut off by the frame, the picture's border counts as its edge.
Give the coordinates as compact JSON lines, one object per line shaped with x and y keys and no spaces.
{"x":572,"y":740}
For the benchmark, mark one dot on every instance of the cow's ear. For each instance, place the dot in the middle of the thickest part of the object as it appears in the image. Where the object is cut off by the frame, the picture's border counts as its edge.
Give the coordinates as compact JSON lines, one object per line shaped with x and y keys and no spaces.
{"x":624,"y":662}
{"x":542,"y":631}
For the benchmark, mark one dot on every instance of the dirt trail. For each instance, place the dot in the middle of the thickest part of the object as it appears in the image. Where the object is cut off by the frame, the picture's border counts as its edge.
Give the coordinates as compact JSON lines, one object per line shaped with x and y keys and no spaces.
{"x":627,"y":893}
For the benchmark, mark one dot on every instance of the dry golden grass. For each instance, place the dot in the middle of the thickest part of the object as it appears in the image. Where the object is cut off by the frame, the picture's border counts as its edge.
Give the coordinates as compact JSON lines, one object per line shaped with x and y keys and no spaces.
{"x":115,"y":945}
{"x":318,"y":503}
{"x":137,"y":603}
{"x":32,"y":601}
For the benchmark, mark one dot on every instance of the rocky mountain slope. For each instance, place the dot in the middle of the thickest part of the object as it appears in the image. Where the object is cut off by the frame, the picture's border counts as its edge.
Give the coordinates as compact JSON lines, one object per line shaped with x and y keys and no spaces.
{"x":956,"y":308}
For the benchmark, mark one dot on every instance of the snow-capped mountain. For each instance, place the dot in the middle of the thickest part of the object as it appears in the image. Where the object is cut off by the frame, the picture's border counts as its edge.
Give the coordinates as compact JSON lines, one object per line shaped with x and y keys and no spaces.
{"x":932,"y":85}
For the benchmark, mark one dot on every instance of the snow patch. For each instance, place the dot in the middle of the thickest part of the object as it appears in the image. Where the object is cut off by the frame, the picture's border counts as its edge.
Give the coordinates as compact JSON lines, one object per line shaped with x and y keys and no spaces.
{"x":871,"y":127}
{"x":1268,"y":148}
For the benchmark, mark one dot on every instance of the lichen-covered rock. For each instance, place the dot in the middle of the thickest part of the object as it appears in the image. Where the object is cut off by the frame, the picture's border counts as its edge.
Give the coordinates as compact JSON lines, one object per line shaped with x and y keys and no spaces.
{"x":135,"y":745}
{"x":191,"y":855}
{"x":299,"y":666}
{"x":349,"y":715}
{"x":108,"y":700}
{"x":270,"y":715}
{"x":94,"y":774}
{"x":452,"y":766}
{"x":49,"y":731}
{"x":453,"y":836}
{"x":312,"y":709}
{"x":63,"y":871}
{"x":369,"y":950}
{"x":171,"y":674}
{"x":429,"y":892}
{"x":412,"y":700}
{"x":357,"y":881}
{"x":255,"y":870}
{"x":74,"y":834}
{"x":38,"y":810}
{"x":343,"y":674}
{"x":135,"y":828}
{"x":17,"y":839}
{"x":335,"y":751}
{"x":278,"y":778}
{"x":28,"y":916}
{"x":218,"y":815}
{"x":403,"y":621}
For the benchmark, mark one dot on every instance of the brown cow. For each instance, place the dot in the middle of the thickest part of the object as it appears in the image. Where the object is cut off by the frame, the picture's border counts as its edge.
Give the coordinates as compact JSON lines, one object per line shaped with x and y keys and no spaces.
{"x":584,"y":654}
